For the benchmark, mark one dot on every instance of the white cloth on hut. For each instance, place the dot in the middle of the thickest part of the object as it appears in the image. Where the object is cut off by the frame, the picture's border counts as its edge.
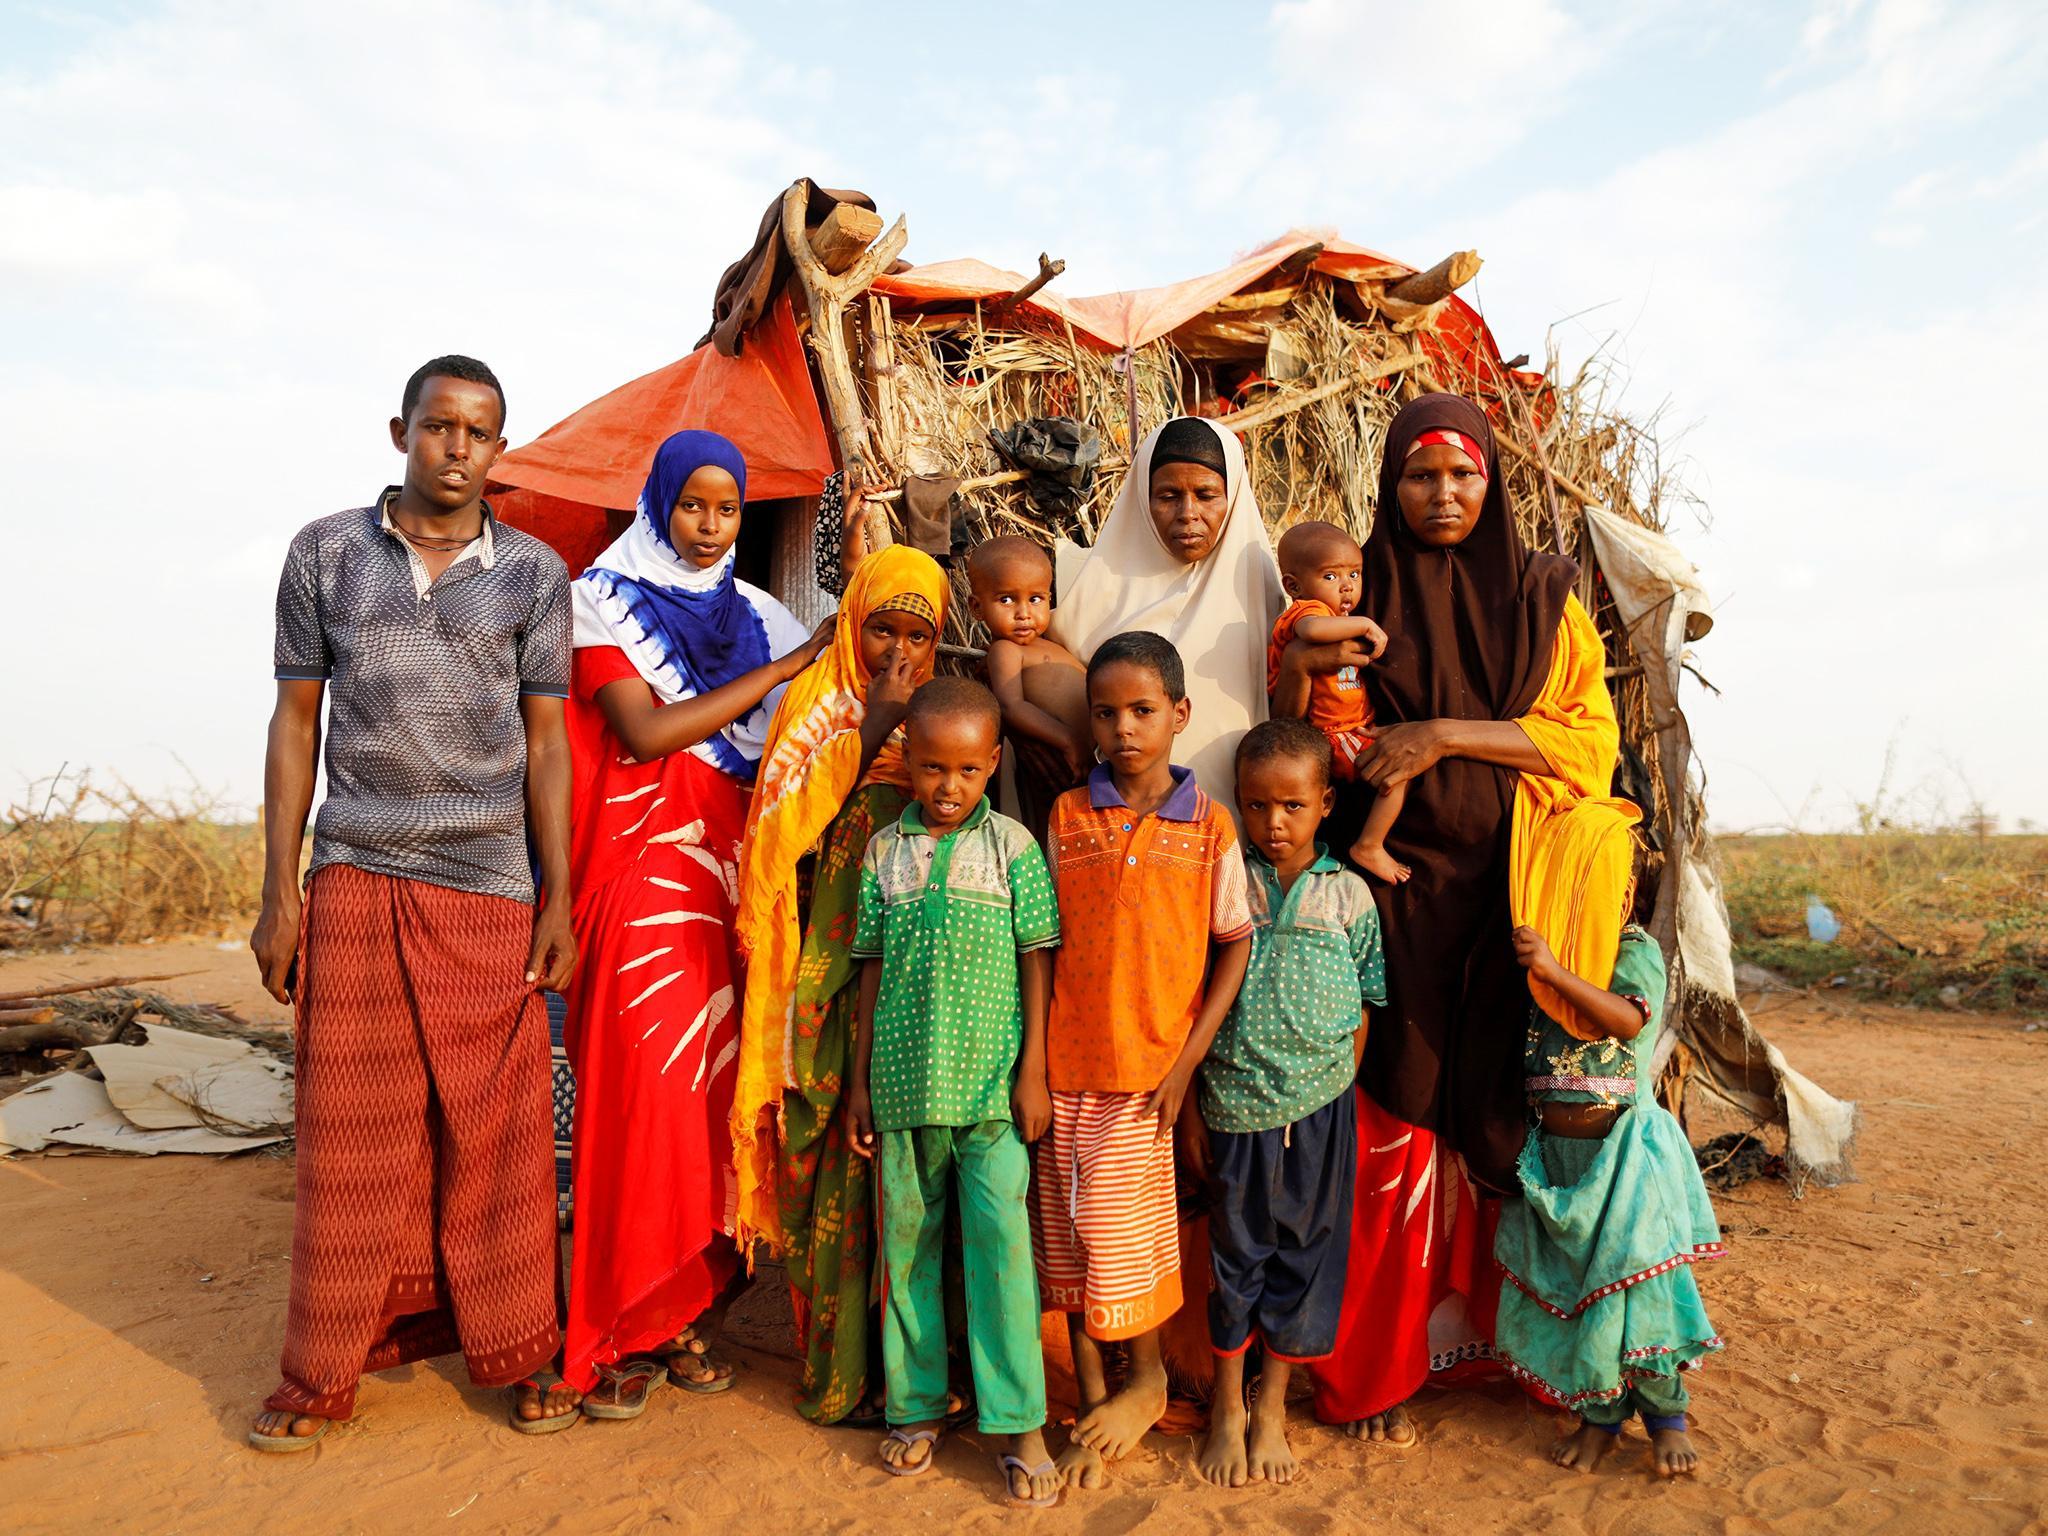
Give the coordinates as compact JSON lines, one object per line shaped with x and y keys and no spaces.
{"x":1655,"y":587}
{"x":1219,"y":612}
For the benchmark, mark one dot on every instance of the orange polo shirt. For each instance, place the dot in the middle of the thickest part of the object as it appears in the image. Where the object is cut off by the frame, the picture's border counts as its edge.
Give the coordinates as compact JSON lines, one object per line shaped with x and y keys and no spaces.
{"x":1141,"y":899}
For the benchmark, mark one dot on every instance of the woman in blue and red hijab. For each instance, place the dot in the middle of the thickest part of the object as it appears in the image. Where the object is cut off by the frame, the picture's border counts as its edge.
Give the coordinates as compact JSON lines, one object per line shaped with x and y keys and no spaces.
{"x":678,"y":667}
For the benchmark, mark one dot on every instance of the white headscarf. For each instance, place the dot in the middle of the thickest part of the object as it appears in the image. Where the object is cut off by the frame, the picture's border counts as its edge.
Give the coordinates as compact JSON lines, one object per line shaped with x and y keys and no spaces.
{"x":604,"y":616}
{"x":1218,"y":612}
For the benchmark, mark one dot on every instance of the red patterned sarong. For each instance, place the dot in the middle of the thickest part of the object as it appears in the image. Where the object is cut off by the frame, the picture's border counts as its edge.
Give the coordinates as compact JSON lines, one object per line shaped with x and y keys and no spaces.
{"x":1421,"y":1287}
{"x":653,"y":1032}
{"x":426,"y":1205}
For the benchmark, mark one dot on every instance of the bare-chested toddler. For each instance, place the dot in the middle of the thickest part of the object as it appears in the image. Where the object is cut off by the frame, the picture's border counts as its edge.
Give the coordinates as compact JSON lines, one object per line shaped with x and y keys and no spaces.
{"x":1042,"y":686}
{"x":1322,"y":570}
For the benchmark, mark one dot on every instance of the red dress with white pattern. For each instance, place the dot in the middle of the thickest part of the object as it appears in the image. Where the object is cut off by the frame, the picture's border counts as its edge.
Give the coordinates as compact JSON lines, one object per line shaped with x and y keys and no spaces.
{"x":653,"y":1032}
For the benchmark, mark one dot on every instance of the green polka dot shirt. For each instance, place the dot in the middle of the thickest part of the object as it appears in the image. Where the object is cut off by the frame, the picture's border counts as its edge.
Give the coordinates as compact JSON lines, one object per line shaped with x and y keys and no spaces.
{"x":948,"y":916}
{"x":1286,"y":1049}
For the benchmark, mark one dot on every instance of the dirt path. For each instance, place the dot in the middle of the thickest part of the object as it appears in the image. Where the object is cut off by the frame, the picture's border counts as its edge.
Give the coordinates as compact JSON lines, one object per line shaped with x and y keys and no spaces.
{"x":1887,"y":1362}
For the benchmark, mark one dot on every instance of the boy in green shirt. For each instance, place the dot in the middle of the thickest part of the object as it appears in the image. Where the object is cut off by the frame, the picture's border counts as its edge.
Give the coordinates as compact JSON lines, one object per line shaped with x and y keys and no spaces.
{"x":948,"y":1082}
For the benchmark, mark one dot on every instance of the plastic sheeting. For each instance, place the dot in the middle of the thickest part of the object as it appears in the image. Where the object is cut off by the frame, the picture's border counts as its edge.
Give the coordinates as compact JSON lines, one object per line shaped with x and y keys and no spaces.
{"x":762,"y":400}
{"x":1657,"y":590}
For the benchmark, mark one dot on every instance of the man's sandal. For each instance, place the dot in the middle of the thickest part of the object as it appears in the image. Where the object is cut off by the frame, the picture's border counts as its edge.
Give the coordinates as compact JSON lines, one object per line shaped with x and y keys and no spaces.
{"x":911,"y":1438}
{"x":289,"y":1442}
{"x":622,"y":1390}
{"x":1011,"y":1464}
{"x":542,"y":1382}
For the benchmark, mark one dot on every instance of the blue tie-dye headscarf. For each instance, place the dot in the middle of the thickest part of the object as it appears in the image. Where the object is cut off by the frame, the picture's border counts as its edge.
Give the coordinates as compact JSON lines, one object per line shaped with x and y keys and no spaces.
{"x":686,"y":631}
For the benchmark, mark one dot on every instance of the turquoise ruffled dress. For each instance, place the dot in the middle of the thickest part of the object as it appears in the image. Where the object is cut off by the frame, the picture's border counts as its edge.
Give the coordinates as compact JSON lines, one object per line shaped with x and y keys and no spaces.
{"x":1600,"y":1311}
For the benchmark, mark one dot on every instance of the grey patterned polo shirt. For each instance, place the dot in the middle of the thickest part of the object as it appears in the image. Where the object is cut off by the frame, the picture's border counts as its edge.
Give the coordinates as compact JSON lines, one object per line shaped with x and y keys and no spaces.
{"x":426,"y":748}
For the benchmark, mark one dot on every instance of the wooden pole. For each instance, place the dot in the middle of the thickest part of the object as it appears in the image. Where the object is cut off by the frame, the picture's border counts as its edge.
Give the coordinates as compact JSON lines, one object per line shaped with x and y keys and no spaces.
{"x":1439,"y":282}
{"x":1048,"y":269}
{"x":827,"y":295}
{"x":1259,"y":415}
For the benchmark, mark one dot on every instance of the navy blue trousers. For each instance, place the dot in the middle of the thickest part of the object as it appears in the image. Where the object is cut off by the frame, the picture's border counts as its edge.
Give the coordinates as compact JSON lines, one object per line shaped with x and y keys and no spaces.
{"x":1280,"y":1235}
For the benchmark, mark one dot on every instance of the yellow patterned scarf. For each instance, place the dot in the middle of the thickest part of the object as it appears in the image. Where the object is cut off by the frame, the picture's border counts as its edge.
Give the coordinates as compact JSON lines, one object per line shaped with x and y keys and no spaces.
{"x":809,"y":767}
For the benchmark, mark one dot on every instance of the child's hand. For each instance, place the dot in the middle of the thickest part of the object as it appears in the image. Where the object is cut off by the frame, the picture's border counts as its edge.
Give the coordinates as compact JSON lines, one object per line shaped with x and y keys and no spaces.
{"x":1374,"y":639}
{"x":1031,"y":1104}
{"x":1532,"y":953}
{"x":890,"y":689}
{"x":1164,"y":1105}
{"x":860,"y":1119}
{"x":1194,"y":1140}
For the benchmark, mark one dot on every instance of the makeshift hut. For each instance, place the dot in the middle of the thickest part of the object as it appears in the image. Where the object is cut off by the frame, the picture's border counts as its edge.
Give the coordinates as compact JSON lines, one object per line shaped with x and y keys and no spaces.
{"x":950,"y":401}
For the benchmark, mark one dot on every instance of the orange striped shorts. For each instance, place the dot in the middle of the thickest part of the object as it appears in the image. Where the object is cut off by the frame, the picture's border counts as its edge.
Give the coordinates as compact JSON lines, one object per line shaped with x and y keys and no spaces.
{"x":1103,"y":1223}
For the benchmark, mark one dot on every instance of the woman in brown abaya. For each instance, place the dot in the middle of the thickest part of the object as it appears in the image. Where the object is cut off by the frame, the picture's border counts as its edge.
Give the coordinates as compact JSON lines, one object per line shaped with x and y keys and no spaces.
{"x":1493,"y":711}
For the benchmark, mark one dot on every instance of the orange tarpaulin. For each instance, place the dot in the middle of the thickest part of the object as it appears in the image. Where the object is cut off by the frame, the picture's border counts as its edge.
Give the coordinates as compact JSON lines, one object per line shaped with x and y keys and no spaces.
{"x":763,"y":401}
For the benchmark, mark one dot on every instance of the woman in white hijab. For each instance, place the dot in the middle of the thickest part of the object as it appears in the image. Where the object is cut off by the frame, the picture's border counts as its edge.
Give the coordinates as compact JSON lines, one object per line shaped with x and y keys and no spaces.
{"x":1183,"y":553}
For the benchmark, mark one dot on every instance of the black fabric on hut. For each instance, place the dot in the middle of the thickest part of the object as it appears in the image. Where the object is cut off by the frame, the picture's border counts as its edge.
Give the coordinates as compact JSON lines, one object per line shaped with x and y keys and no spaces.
{"x":1471,"y":630}
{"x":1060,"y":455}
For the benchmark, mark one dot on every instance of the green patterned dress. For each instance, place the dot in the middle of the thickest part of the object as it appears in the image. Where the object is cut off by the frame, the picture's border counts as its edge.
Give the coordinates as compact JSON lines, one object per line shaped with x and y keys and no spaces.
{"x":1600,"y":1311}
{"x":828,"y":1199}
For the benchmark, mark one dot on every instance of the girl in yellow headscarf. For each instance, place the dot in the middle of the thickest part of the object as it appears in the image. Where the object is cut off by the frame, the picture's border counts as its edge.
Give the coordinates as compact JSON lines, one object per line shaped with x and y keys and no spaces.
{"x":831,"y":775}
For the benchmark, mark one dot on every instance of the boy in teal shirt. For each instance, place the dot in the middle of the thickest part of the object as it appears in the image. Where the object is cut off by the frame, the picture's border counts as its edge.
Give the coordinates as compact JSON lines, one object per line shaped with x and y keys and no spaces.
{"x":1277,"y":1106}
{"x":957,"y":918}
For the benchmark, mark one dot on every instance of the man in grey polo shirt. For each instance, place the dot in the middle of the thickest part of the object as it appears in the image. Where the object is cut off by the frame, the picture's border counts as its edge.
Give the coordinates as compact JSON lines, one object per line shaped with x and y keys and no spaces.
{"x":424,"y":1221}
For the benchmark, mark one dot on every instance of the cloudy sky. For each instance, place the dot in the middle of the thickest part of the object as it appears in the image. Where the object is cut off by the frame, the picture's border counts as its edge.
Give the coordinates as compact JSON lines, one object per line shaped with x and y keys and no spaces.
{"x":1810,"y":236}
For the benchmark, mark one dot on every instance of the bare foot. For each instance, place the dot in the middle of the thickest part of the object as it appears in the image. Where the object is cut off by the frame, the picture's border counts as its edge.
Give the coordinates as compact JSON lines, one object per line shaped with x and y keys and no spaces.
{"x":1080,"y":1466}
{"x":907,"y":1451}
{"x":277,"y":1425}
{"x":1583,"y":1447}
{"x":1374,"y":859}
{"x":1390,"y":1428}
{"x":1042,"y":1479}
{"x":1223,"y":1460}
{"x":1272,"y":1458}
{"x":1672,"y":1453}
{"x":1115,"y":1428}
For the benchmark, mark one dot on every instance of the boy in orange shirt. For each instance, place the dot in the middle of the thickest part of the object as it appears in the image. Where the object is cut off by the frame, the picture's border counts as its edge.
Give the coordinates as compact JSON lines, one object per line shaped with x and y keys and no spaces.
{"x":1152,"y":902}
{"x":1322,"y":570}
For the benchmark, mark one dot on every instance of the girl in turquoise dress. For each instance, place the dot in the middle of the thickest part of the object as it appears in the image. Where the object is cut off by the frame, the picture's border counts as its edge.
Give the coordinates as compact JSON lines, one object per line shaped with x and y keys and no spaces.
{"x":1601,"y":1311}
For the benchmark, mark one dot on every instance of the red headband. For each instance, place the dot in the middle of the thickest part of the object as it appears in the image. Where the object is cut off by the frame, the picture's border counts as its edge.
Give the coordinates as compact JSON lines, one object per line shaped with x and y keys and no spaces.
{"x":1452,"y":439}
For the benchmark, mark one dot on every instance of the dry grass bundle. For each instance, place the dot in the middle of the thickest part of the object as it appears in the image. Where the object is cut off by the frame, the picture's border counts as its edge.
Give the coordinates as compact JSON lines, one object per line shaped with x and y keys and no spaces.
{"x":79,"y":863}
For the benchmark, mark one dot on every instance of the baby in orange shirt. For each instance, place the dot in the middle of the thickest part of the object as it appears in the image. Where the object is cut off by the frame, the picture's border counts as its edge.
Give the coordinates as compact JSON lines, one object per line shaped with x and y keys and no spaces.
{"x":1323,"y":571}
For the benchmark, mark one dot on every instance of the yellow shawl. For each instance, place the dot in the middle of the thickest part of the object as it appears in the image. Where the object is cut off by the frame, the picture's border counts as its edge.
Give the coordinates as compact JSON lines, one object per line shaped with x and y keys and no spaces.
{"x":1571,"y":855}
{"x":808,"y":768}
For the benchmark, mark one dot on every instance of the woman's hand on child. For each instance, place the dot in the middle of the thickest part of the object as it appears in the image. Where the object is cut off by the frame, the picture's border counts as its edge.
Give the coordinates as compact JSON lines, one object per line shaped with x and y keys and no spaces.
{"x":1532,"y":953}
{"x":1400,"y":753}
{"x":813,"y":648}
{"x":1032,"y":1106}
{"x":860,"y":1119}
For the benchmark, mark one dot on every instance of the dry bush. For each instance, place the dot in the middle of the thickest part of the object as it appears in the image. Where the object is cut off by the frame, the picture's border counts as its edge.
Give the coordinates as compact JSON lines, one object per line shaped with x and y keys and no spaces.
{"x":1947,"y":915}
{"x":84,"y":864}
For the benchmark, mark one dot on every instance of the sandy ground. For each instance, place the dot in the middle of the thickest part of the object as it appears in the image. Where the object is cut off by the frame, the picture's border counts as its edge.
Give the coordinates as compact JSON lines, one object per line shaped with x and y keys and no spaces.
{"x":1887,"y":1366}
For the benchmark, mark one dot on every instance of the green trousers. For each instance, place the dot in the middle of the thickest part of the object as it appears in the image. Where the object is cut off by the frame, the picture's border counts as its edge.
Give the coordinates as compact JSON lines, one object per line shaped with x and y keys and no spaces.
{"x":986,"y":1168}
{"x":1656,"y":1396}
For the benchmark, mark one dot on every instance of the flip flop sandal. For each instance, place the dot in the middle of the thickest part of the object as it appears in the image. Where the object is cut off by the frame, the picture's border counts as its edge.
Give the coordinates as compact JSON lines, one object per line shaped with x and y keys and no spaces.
{"x":912,"y":1438}
{"x":630,"y":1384}
{"x":708,"y":1361}
{"x":1011,"y":1464}
{"x":287,"y":1443}
{"x":552,"y":1424}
